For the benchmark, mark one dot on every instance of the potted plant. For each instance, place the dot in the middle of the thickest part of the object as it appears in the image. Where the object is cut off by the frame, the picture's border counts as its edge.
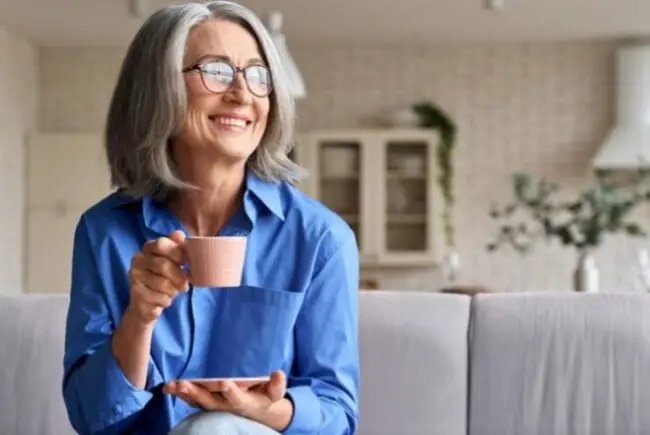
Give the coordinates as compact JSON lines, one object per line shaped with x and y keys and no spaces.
{"x":581,"y":223}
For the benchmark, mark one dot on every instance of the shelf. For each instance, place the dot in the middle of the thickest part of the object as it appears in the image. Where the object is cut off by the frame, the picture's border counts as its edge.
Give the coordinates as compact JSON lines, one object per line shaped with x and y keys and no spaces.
{"x":400,"y":176}
{"x":406,"y":219}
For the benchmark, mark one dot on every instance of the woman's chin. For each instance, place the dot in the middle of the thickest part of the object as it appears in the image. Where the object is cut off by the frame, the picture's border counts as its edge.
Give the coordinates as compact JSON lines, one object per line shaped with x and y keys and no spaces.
{"x":232,"y":151}
{"x":221,"y":148}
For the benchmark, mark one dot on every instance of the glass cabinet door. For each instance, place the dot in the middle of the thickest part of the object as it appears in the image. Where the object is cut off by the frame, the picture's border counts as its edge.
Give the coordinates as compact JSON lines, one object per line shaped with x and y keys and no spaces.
{"x":408,"y":178}
{"x":340,"y":180}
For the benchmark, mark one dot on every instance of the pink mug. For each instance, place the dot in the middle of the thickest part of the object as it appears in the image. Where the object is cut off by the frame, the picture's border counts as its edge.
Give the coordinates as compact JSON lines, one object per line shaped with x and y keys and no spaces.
{"x":216,"y":261}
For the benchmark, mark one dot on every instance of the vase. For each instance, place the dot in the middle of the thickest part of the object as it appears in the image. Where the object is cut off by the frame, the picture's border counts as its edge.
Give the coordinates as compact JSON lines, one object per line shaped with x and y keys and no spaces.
{"x":586,"y":275}
{"x":451,"y":267}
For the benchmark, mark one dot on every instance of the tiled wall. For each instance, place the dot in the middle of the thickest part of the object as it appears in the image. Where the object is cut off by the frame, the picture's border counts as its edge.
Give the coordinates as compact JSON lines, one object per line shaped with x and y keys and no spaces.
{"x":18,"y":114}
{"x":542,"y":108}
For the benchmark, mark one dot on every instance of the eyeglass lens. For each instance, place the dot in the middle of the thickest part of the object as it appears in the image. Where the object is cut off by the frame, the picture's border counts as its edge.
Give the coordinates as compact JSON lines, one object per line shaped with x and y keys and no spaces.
{"x":218,"y":77}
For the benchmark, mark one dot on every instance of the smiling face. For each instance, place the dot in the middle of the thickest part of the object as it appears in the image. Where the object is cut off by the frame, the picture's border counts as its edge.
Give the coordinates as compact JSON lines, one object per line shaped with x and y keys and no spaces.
{"x":227,"y":126}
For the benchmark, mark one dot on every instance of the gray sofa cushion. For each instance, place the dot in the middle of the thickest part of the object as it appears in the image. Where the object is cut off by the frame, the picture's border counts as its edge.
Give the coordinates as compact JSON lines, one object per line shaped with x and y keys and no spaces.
{"x":31,"y":350}
{"x":413,"y":363}
{"x":560,"y":364}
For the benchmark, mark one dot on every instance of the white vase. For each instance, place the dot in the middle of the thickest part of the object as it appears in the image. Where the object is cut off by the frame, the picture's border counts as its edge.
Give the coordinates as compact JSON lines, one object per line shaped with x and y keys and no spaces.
{"x":451,"y":267}
{"x":402,"y":117}
{"x":586,"y":275}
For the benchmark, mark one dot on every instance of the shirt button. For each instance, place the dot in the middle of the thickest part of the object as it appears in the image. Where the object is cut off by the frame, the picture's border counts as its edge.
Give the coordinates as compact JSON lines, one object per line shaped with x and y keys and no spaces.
{"x":117,"y":409}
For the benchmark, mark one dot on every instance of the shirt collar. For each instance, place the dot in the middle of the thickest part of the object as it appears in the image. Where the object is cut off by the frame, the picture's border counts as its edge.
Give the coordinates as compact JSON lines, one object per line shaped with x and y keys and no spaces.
{"x":266,"y":192}
{"x":259,"y":195}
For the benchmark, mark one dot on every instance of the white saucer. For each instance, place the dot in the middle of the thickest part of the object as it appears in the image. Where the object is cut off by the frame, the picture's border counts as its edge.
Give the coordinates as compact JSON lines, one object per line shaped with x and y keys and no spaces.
{"x":212,"y":384}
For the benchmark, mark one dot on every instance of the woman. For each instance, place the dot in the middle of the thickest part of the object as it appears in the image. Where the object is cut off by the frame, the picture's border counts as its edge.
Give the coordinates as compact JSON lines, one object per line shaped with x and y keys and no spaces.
{"x":197,"y":137}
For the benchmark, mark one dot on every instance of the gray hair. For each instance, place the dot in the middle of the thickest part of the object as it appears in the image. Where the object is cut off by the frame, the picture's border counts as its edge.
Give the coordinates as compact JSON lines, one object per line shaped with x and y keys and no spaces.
{"x":149,"y":103}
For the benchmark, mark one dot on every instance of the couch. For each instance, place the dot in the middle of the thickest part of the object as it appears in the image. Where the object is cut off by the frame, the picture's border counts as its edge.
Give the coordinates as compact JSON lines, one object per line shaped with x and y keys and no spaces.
{"x":438,"y":364}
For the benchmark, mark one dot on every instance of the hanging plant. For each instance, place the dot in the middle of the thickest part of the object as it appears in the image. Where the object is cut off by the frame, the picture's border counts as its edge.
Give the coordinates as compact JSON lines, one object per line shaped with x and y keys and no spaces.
{"x":432,"y":116}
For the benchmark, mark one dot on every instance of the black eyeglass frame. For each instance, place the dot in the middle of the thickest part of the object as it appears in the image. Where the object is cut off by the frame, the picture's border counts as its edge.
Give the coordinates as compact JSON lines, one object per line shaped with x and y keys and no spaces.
{"x":200,"y":68}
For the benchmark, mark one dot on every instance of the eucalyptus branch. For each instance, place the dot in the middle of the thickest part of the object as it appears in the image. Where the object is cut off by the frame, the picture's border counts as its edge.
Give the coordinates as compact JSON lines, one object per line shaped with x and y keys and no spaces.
{"x":583,"y":222}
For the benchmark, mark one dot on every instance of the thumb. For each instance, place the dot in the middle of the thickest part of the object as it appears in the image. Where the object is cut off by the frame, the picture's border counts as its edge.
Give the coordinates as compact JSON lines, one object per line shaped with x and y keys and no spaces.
{"x":178,"y":236}
{"x":277,"y":386}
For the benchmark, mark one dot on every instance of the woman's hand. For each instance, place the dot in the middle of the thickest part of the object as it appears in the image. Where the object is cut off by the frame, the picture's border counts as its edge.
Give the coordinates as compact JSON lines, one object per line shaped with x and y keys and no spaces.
{"x":157,"y":277}
{"x":264,"y":403}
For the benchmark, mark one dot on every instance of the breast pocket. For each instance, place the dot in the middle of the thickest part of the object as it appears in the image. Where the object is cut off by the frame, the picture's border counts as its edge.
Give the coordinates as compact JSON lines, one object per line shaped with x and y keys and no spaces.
{"x":253,"y":332}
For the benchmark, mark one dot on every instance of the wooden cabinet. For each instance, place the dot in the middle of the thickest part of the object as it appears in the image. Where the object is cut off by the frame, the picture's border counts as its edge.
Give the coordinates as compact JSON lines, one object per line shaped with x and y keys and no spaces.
{"x":383,"y":183}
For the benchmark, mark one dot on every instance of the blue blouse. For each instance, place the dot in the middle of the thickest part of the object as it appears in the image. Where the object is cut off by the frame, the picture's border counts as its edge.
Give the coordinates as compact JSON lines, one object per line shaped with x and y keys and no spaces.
{"x":296,"y":311}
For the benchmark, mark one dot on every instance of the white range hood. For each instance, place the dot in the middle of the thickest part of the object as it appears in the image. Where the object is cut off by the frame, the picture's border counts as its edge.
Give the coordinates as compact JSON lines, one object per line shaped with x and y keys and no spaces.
{"x":627,"y":146}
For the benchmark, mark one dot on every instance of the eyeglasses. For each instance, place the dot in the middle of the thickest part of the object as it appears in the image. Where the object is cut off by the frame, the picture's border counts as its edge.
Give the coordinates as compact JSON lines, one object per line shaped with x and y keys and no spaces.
{"x":218,"y":76}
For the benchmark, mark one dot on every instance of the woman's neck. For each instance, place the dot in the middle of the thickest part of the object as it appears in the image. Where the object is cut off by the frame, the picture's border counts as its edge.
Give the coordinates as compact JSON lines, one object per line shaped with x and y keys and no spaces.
{"x":206,"y":210}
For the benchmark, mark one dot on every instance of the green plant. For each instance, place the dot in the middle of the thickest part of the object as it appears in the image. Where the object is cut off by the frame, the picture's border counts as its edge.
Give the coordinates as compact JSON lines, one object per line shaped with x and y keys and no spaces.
{"x":603,"y":208}
{"x":432,"y":116}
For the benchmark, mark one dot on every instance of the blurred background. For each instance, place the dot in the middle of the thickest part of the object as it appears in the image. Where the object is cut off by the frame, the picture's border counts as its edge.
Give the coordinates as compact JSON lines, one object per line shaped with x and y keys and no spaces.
{"x":413,"y":116}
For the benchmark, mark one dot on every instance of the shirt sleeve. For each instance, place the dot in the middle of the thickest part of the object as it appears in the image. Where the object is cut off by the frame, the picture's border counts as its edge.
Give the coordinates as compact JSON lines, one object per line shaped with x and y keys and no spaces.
{"x":98,"y":396}
{"x":324,"y":384}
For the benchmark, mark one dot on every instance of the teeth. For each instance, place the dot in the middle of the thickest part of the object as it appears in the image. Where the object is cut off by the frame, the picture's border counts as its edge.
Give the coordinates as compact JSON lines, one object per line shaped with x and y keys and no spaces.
{"x":231,"y":121}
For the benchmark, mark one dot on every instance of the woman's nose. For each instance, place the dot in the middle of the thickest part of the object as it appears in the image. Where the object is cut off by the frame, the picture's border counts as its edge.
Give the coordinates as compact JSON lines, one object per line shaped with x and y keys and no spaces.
{"x":239,"y":90}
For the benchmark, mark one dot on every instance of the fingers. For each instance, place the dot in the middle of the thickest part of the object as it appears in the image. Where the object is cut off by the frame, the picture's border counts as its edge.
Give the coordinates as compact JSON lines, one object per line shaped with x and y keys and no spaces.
{"x":172,"y":388}
{"x":168,"y":247}
{"x":200,"y":396}
{"x":163,"y":257}
{"x":235,"y":396}
{"x":157,"y":276}
{"x":232,"y":398}
{"x":276,"y":388}
{"x":159,"y":273}
{"x":177,"y":237}
{"x":246,"y":402}
{"x":151,"y":296}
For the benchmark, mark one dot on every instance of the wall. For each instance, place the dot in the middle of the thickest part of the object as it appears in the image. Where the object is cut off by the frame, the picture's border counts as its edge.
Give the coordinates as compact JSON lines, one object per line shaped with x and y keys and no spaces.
{"x":18,"y":115}
{"x":539,"y":107}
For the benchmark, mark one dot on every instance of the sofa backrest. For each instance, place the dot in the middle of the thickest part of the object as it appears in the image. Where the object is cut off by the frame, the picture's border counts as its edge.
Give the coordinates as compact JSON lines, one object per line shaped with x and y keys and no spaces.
{"x":413,"y":356}
{"x":31,"y":365}
{"x":413,"y":363}
{"x":560,"y":363}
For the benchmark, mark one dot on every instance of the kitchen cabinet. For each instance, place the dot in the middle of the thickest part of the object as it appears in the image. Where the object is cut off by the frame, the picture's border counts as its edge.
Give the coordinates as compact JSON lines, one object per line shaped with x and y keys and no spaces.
{"x":383,"y":183}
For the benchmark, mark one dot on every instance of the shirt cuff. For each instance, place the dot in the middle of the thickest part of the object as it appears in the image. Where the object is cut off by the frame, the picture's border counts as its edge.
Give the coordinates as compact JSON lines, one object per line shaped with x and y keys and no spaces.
{"x":306,"y":411}
{"x":117,"y":398}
